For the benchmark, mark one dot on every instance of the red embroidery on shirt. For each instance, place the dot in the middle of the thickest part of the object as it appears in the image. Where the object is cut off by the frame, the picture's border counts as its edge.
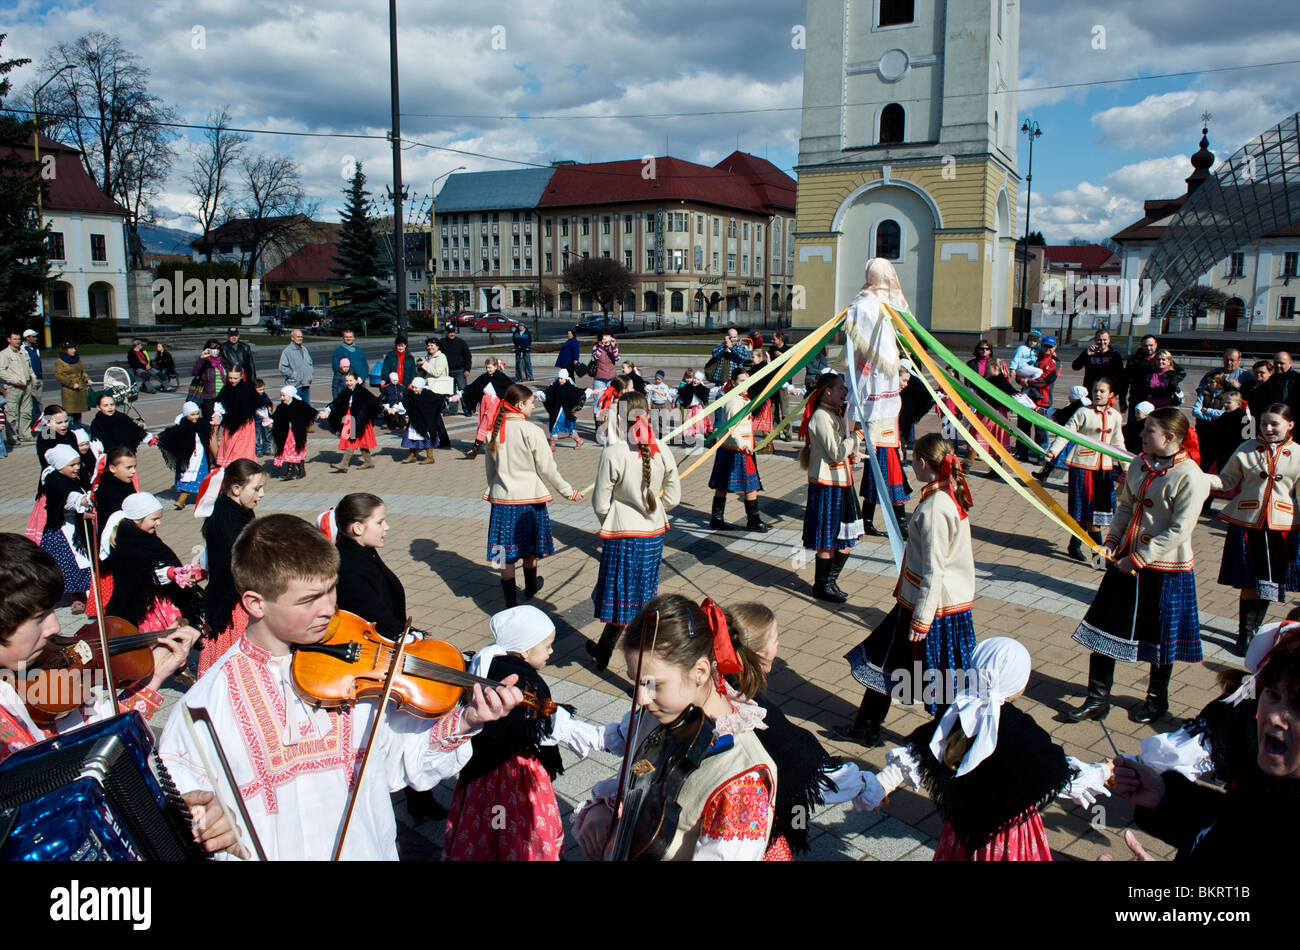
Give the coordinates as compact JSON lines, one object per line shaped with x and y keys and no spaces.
{"x":258,"y":705}
{"x":739,"y":810}
{"x":14,"y":735}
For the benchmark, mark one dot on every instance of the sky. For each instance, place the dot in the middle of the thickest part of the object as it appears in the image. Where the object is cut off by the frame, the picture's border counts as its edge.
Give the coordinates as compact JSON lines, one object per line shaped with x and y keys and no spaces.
{"x":498,"y":85}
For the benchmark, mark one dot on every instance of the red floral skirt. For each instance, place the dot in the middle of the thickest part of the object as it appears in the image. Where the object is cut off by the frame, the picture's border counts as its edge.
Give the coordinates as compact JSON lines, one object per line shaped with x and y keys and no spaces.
{"x":509,"y":814}
{"x":1026,"y":840}
{"x":213,"y":650}
{"x":366,"y":441}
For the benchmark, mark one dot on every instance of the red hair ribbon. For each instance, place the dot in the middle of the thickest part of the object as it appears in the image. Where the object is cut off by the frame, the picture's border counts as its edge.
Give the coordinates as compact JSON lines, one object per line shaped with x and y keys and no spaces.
{"x":724,"y":654}
{"x":608,"y":396}
{"x":809,"y":408}
{"x":947,"y":467}
{"x":641,"y":434}
{"x":503,"y":407}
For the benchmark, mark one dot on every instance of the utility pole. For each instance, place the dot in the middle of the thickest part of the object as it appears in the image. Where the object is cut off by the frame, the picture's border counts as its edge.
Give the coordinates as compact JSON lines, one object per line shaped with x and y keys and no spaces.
{"x":399,"y":241}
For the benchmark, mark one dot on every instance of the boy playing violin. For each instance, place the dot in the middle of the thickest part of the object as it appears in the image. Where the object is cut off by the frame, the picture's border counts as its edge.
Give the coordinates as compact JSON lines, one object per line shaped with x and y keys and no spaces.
{"x":33,"y":584}
{"x":294,"y":763}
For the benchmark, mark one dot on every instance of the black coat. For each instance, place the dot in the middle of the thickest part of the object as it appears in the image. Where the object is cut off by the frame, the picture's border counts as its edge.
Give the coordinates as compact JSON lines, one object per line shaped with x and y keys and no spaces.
{"x":115,"y":430}
{"x":424,"y":410}
{"x":637,"y":381}
{"x":474,"y":391}
{"x":364,"y":406}
{"x":1229,"y":829}
{"x":519,"y":733}
{"x":1096,"y":365}
{"x":177,"y":442}
{"x":238,"y":354}
{"x":295,"y":416}
{"x":133,"y":561}
{"x":801,"y":767}
{"x":457,"y":353}
{"x":916,"y":400}
{"x":228,"y":518}
{"x":564,"y":396}
{"x":109,"y":495}
{"x":1220,"y":438}
{"x":369,"y":589}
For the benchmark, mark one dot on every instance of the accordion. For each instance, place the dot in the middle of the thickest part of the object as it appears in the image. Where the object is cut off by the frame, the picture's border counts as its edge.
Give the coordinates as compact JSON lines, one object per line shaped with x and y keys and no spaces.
{"x":91,"y":795}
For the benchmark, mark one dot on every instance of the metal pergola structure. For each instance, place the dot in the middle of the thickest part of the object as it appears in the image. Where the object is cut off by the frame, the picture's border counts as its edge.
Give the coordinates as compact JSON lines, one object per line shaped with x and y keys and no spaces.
{"x":1255,"y":191}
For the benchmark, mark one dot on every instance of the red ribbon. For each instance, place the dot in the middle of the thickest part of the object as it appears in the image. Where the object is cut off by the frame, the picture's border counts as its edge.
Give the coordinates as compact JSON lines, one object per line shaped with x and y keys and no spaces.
{"x":502,"y":407}
{"x":949,"y":465}
{"x":642,"y":434}
{"x":724,"y":654}
{"x":809,"y":408}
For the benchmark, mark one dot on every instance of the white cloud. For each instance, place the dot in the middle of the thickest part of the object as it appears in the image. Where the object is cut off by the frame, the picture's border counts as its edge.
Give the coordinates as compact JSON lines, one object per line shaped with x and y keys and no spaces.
{"x":1096,"y":211}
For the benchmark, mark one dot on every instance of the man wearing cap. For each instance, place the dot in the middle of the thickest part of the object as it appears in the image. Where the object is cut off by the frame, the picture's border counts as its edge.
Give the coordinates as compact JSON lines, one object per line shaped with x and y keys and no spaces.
{"x":1040,"y":387}
{"x":459,"y":361}
{"x":19,"y":384}
{"x":33,"y":350}
{"x":1136,"y":387}
{"x":235,"y":352}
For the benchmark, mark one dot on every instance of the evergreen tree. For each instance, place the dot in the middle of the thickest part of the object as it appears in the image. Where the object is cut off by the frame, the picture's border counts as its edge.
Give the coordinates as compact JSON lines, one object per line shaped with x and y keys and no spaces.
{"x":24,"y":254}
{"x":364,"y":297}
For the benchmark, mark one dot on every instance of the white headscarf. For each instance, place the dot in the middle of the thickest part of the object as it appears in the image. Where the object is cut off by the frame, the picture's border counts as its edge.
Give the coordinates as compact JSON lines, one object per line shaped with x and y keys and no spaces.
{"x":1256,"y":654}
{"x":57,"y":457}
{"x":135,"y":506}
{"x":187,"y":410}
{"x":562,"y":374}
{"x":882,"y":280}
{"x":419,"y":383}
{"x":1001,"y":666}
{"x":290,"y":391}
{"x":514,"y":630}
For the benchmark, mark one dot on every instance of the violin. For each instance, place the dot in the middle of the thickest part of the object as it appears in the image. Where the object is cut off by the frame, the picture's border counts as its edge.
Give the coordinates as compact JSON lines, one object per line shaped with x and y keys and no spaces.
{"x":59,"y":686}
{"x":352,"y":663}
{"x":650,"y":813}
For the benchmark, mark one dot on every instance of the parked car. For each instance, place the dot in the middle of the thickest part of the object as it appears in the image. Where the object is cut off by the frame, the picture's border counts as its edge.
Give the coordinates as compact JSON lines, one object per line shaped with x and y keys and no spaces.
{"x":599,"y":323}
{"x":466,"y":318}
{"x":496,"y":321}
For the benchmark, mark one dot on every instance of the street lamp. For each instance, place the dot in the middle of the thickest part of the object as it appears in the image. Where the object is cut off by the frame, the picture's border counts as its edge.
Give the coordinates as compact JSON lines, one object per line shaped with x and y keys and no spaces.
{"x":40,"y":217}
{"x":433,"y":293}
{"x":1032,"y":130}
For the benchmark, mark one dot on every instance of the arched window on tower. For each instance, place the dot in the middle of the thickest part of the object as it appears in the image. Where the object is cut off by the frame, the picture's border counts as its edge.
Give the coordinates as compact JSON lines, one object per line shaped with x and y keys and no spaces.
{"x":891,"y":124}
{"x":889,"y":240}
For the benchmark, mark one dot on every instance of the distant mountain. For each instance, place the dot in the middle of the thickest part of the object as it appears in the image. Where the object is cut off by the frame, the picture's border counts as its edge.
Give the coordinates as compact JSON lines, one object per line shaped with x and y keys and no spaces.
{"x":159,"y":240}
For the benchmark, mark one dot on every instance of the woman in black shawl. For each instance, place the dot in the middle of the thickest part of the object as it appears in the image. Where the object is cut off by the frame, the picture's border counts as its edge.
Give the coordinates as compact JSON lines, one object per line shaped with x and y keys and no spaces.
{"x":113,"y":428}
{"x":237,"y":406}
{"x":361,"y":408}
{"x":184,"y":449}
{"x":57,"y":515}
{"x":151,"y":588}
{"x":423,"y":421}
{"x":289,"y":425}
{"x":563,"y":397}
{"x":115,"y":484}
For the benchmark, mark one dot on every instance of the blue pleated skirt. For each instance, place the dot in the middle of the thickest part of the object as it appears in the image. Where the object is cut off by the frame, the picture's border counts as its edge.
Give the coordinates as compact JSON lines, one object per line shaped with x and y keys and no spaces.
{"x":629,"y":577}
{"x":892,"y":468}
{"x":519,"y":531}
{"x":735,"y":472}
{"x":76,"y":580}
{"x":930,"y":672}
{"x":1245,"y":560}
{"x":1167,"y":625}
{"x":193,"y":487}
{"x":823,"y":527}
{"x":1092,"y":511}
{"x":563,"y":424}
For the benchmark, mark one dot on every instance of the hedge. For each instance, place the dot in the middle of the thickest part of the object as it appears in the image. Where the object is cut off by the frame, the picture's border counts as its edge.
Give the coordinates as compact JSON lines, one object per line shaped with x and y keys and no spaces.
{"x":97,"y":330}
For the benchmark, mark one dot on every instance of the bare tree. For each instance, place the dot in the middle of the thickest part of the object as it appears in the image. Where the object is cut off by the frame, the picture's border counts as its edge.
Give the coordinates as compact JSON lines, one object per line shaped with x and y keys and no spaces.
{"x":104,"y":107}
{"x":273,"y":205}
{"x":216,"y":162}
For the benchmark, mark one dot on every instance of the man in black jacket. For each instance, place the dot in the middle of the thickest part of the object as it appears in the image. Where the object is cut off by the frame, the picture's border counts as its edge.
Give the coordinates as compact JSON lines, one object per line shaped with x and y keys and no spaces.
{"x":1137,"y":375}
{"x":1098,"y":361}
{"x":237,"y":353}
{"x":459,"y":361}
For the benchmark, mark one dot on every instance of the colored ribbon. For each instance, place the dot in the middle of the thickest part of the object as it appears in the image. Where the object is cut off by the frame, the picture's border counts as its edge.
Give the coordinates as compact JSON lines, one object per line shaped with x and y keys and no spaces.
{"x":724,"y":653}
{"x":947,"y":468}
{"x":641,"y":434}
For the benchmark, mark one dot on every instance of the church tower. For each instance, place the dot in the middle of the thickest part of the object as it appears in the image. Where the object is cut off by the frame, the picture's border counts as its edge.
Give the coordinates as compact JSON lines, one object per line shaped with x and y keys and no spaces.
{"x":908,"y":152}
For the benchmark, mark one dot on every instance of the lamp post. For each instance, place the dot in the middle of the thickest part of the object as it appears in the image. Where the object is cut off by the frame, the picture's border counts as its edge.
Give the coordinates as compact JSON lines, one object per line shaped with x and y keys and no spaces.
{"x":1032,"y":130}
{"x":40,"y":215}
{"x":433,"y":201}
{"x":399,"y":241}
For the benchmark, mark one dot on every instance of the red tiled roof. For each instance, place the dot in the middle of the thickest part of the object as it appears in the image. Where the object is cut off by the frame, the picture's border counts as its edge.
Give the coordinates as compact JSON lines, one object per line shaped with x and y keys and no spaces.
{"x":311,"y":262}
{"x":1084,"y":257}
{"x":751,"y":189}
{"x":70,"y":188}
{"x":775,"y":188}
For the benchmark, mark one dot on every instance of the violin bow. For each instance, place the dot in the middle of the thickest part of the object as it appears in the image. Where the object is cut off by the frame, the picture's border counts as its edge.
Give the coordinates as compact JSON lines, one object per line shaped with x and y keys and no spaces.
{"x":88,"y":520}
{"x":633,"y":722}
{"x":191,"y":715}
{"x":389,"y":679}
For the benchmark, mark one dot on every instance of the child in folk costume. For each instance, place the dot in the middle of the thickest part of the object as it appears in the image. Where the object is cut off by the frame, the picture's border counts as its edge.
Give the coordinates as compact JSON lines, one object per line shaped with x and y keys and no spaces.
{"x":182,"y":448}
{"x":1148,"y":594}
{"x":485,"y":394}
{"x":989,"y":768}
{"x":111,"y":428}
{"x":885,"y":437}
{"x":664,"y":416}
{"x":151,"y":588}
{"x":563,"y":401}
{"x":296,"y":765}
{"x":518,"y":461}
{"x":831,"y":521}
{"x":727,"y":803}
{"x":237,"y":412}
{"x":394,"y":395}
{"x":263,"y":428}
{"x":606,"y":408}
{"x":423,"y":417}
{"x":735,"y":469}
{"x":58,"y":430}
{"x":632,"y":473}
{"x":1256,"y":553}
{"x":1092,"y":476}
{"x":809,"y":777}
{"x":57,"y":524}
{"x":929,"y":635}
{"x":692,"y":395}
{"x":515,"y":758}
{"x":227,"y":501}
{"x":352,"y":415}
{"x":290,"y":423}
{"x":116,"y":482}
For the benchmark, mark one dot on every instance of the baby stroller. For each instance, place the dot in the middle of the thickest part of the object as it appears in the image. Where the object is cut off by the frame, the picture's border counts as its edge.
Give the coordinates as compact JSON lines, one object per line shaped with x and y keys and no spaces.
{"x":124,"y":390}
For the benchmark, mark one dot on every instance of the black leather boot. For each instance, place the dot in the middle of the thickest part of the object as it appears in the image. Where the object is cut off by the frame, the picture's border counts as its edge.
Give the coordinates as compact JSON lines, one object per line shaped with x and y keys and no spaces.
{"x":1250,"y":615}
{"x":866,"y":725}
{"x":474,"y":449}
{"x":752,"y":521}
{"x":838,"y":560}
{"x":900,"y":512}
{"x":511,"y":592}
{"x":869,"y":518}
{"x":821,"y":585}
{"x":602,"y":651}
{"x":1075,"y":550}
{"x":532,"y":583}
{"x":719,"y":508}
{"x":1157,"y":703}
{"x":1101,"y":675}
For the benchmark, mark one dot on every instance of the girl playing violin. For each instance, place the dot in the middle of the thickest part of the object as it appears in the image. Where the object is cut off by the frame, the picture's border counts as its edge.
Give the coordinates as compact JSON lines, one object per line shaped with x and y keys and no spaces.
{"x":519,"y":460}
{"x":727,"y":801}
{"x":515,"y":758}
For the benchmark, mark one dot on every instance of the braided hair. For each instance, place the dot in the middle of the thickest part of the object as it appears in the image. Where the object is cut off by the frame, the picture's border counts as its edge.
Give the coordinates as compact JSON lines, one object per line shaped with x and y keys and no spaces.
{"x":630,"y":406}
{"x":822,"y":383}
{"x":932,"y":449}
{"x":516,"y":395}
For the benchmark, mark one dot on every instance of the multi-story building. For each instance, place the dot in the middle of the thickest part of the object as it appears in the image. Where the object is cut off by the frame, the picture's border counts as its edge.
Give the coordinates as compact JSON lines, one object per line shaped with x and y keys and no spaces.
{"x":1260,"y":280}
{"x":700,"y":241}
{"x":908,"y":152}
{"x":306,"y":278}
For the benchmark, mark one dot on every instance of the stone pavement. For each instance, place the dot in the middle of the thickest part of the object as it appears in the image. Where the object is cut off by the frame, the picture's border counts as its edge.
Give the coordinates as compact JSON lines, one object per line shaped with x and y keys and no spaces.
{"x":1027,"y":588}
